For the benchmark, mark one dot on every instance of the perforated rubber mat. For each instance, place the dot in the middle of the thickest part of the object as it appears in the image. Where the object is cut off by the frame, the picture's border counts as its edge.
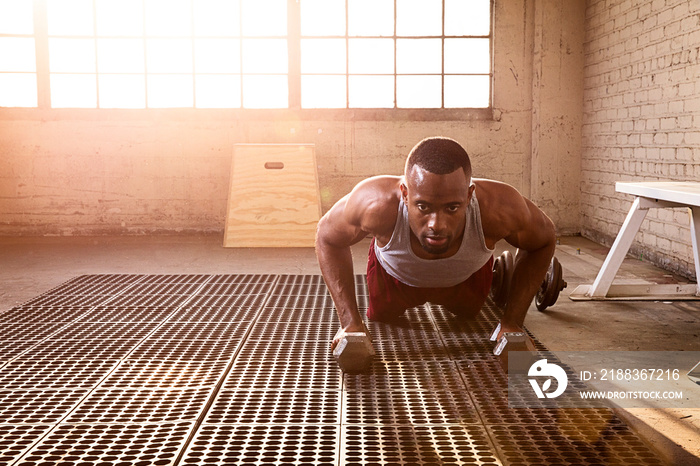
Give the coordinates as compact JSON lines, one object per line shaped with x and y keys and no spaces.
{"x":237,"y":369}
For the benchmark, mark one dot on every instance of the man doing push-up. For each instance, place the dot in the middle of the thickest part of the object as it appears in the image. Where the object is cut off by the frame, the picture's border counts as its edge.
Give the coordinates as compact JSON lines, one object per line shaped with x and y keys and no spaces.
{"x":433,"y":233}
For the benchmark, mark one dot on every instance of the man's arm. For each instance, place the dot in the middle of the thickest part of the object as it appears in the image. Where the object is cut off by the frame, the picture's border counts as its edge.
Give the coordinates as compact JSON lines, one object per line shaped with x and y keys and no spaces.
{"x":335,"y":234}
{"x":370,"y":209}
{"x":525,"y":226}
{"x":536,"y":242}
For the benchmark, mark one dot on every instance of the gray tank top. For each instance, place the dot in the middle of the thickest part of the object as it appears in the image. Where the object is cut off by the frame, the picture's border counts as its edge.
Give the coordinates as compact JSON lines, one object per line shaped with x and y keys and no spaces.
{"x":399,"y":260}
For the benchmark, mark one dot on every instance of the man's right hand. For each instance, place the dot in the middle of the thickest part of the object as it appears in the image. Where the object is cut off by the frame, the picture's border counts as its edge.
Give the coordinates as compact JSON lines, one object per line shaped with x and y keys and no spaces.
{"x":349,"y":329}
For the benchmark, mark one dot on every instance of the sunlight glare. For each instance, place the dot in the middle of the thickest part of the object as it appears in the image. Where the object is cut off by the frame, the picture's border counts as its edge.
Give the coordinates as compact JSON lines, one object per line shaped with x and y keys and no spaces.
{"x":122,"y":91}
{"x":466,"y":91}
{"x":372,"y":91}
{"x":217,"y":18}
{"x":169,"y":56}
{"x":371,"y":17}
{"x":322,"y":17}
{"x":122,"y":18}
{"x":218,"y":91}
{"x":323,"y":92}
{"x":371,"y":56}
{"x":217,"y":56}
{"x":171,"y":18}
{"x":323,"y":55}
{"x":73,"y":91}
{"x":72,"y":55}
{"x":418,"y":91}
{"x":16,"y":16}
{"x":18,"y":90}
{"x":120,"y":56}
{"x":418,"y":17}
{"x":17,"y":54}
{"x":467,"y":18}
{"x":70,"y":17}
{"x":465,"y":56}
{"x":265,"y":56}
{"x":263,"y":91}
{"x":264,"y":17}
{"x":418,"y":56}
{"x":170,"y":90}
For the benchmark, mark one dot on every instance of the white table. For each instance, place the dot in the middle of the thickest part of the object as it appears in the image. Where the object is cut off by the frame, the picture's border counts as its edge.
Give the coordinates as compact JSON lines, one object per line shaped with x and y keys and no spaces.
{"x":653,"y":194}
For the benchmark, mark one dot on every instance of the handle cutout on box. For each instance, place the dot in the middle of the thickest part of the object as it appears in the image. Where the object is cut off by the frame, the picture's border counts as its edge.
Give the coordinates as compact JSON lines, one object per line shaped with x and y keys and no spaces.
{"x":274,"y":165}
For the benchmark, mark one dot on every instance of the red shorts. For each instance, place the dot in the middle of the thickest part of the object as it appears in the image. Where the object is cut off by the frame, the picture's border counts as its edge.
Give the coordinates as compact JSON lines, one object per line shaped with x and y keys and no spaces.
{"x":389,"y":297}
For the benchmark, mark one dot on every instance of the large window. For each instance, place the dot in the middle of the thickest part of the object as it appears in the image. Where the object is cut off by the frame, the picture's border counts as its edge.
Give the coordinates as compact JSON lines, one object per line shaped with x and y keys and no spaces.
{"x":18,"y":77}
{"x":380,"y":54}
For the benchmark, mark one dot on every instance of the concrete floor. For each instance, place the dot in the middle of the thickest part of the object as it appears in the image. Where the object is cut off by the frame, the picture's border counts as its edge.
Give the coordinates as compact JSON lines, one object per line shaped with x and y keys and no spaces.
{"x":31,"y":266}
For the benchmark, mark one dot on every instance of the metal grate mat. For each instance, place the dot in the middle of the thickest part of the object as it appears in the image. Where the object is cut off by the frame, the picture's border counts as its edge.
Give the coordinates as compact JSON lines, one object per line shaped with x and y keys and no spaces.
{"x":37,"y":406}
{"x":367,"y":444}
{"x":140,"y":406}
{"x":236,"y":369}
{"x":275,"y":407}
{"x":264,"y":445}
{"x":113,"y":444}
{"x":165,"y":374}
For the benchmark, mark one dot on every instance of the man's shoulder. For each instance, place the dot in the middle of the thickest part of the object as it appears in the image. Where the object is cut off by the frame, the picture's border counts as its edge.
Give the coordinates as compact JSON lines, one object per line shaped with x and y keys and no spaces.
{"x":500,"y":204}
{"x":496,"y":192}
{"x":374,"y":203}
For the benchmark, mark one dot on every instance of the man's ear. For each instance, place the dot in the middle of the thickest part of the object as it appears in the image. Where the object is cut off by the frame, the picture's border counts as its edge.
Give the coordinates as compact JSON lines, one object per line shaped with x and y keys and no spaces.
{"x":404,"y":192}
{"x":472,"y":187}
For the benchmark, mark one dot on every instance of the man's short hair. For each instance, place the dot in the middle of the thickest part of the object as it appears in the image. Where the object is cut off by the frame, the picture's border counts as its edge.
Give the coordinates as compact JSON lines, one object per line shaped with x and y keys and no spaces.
{"x":439,"y":155}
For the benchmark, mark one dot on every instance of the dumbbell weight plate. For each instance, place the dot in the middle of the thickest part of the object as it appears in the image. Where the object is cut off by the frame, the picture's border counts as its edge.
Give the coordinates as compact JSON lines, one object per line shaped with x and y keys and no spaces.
{"x":552,"y":284}
{"x":502,"y":273}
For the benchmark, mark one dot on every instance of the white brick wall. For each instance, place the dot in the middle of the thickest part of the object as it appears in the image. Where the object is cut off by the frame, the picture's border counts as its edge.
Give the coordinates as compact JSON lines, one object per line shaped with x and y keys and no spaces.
{"x":641,"y":118}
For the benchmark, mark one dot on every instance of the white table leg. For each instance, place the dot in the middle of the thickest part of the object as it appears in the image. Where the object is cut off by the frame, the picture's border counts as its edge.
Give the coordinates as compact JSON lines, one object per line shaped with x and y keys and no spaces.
{"x":619,"y":249}
{"x":695,"y":238}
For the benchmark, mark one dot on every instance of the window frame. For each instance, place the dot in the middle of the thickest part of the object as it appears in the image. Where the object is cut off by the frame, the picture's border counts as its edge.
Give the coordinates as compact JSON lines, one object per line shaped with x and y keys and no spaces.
{"x":294,"y":109}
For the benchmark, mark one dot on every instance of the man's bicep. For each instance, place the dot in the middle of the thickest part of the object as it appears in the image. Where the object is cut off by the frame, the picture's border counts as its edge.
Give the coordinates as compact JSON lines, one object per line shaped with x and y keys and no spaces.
{"x":340,"y":226}
{"x":532,"y":229}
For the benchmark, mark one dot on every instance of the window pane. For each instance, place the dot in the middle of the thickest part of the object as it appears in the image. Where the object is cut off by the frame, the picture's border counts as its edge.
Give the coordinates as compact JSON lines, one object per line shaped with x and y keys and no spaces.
{"x":323,"y":91}
{"x":418,"y":56}
{"x":168,"y":17}
{"x":122,"y":91}
{"x":73,"y":91}
{"x":466,"y":91}
{"x":72,"y":55}
{"x":70,"y":17}
{"x":265,"y":56}
{"x":217,"y":18}
{"x":172,"y":90}
{"x":218,"y":91}
{"x":264,"y":17}
{"x":169,"y":56}
{"x":217,"y":56}
{"x":120,"y":56}
{"x":17,"y":54}
{"x":467,"y":56}
{"x":419,"y":17}
{"x":371,"y":91}
{"x":467,"y":18}
{"x":371,"y":56}
{"x":265,"y":92}
{"x":18,"y":90}
{"x":371,"y":17}
{"x":323,"y":55}
{"x":322,"y":17}
{"x":119,"y":18}
{"x":16,"y":17}
{"x":418,"y":91}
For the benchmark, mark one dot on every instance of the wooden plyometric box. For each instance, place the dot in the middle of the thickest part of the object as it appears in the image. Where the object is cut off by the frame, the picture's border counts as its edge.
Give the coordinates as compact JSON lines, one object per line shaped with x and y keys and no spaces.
{"x":273,"y":198}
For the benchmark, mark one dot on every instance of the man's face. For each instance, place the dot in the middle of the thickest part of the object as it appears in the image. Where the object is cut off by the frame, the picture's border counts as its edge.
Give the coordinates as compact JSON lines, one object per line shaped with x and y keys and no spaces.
{"x":437,"y":206}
